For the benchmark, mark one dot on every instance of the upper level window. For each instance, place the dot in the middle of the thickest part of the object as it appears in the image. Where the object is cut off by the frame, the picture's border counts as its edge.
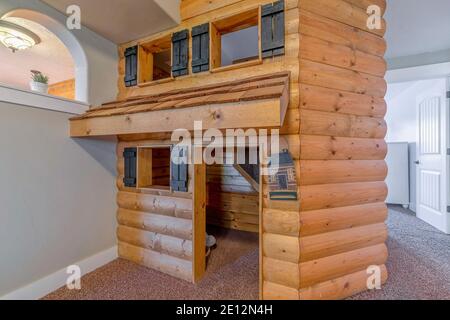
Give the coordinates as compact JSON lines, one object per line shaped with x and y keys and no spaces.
{"x":236,"y":40}
{"x":155,"y":60}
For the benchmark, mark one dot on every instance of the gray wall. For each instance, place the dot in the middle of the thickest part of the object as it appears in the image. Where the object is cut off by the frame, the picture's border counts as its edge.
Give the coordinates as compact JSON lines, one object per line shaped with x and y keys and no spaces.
{"x":57,"y":195}
{"x":418,"y":60}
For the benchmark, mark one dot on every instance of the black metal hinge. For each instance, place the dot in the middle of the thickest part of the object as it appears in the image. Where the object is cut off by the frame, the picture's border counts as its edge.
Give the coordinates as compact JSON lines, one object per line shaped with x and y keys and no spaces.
{"x":448,"y":94}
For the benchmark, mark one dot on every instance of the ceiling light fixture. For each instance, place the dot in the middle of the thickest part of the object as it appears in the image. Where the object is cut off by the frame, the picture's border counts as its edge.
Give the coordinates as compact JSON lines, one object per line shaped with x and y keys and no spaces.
{"x":15,"y":37}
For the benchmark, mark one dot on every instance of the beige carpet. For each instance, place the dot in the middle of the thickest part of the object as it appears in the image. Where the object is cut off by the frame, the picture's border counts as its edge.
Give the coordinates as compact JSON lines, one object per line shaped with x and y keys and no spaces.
{"x":232,"y":273}
{"x":419,"y":261}
{"x":418,"y":266}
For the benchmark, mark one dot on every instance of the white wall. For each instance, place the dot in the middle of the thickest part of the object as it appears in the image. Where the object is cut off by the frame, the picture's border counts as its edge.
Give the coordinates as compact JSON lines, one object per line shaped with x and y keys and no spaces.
{"x":401,"y":115}
{"x":401,"y":118}
{"x":57,"y":195}
{"x":101,"y":54}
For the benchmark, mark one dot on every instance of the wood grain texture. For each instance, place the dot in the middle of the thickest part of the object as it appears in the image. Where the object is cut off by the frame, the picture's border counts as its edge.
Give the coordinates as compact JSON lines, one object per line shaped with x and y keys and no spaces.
{"x":343,"y":11}
{"x":176,"y":267}
{"x":320,"y":246}
{"x":340,"y":288}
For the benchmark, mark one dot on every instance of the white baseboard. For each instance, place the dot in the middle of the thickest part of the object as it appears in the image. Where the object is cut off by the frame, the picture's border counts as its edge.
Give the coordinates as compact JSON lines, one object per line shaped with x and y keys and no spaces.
{"x":50,"y":283}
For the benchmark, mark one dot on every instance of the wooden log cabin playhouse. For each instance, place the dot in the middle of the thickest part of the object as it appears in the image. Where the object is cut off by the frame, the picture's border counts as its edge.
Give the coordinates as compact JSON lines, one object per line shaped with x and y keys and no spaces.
{"x":317,"y":75}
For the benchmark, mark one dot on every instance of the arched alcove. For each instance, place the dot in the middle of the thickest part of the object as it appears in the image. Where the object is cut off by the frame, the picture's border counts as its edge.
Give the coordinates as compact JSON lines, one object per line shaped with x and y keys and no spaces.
{"x":69,"y":40}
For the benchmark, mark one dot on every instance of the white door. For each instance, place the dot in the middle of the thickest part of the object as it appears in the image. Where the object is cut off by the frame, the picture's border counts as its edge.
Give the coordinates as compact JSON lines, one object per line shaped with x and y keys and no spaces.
{"x":432,"y":158}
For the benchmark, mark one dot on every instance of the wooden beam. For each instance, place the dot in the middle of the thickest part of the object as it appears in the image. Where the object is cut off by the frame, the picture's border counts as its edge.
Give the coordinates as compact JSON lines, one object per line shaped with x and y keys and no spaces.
{"x":248,"y":114}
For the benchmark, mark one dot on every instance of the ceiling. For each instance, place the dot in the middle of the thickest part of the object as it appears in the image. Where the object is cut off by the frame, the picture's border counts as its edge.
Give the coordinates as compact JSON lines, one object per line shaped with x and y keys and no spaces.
{"x":124,"y":20}
{"x":414,"y":26}
{"x":50,"y":57}
{"x":417,"y":26}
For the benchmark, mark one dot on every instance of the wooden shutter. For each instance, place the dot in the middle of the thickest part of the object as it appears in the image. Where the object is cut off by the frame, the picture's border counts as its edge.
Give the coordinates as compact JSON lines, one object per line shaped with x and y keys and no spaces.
{"x":180,"y":53}
{"x":131,"y":66}
{"x":200,"y":48}
{"x":179,"y":171}
{"x":272,"y":29}
{"x":130,"y":155}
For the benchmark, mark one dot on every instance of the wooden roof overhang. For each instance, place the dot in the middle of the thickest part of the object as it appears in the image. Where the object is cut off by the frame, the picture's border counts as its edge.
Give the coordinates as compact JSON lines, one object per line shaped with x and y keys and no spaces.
{"x":257,"y":102}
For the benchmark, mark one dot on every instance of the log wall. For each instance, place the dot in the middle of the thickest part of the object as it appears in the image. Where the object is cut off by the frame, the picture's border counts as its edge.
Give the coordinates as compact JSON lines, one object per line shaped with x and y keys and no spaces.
{"x":321,"y":246}
{"x":232,"y":202}
{"x":155,"y":227}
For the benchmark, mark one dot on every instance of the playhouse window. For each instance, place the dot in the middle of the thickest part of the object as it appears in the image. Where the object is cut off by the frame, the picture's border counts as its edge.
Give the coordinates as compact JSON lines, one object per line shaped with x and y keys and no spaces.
{"x":153,"y":167}
{"x":155,"y":60}
{"x":235,"y":41}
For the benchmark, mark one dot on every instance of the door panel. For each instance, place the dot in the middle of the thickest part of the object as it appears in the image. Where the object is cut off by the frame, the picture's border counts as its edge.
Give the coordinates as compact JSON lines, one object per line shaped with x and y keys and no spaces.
{"x":432,"y":158}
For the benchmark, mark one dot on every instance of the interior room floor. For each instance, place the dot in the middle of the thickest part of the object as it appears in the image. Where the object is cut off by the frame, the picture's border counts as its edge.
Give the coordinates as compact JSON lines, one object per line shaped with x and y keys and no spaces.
{"x":232,"y":273}
{"x":419,"y":261}
{"x":418,"y":265}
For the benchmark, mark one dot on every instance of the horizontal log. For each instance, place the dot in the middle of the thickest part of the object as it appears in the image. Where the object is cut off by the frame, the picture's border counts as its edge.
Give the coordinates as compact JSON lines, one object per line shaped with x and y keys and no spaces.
{"x":328,"y":220}
{"x":329,"y":268}
{"x":341,"y":148}
{"x":208,"y":10}
{"x":281,"y":222}
{"x":341,"y":34}
{"x":341,"y":125}
{"x":222,"y":170}
{"x":176,"y":207}
{"x":326,"y":52}
{"x":330,"y":100}
{"x":246,"y":206}
{"x":340,"y":288}
{"x":341,"y":195}
{"x":307,"y":223}
{"x":170,"y":226}
{"x":175,"y":267}
{"x":175,"y":247}
{"x":234,"y":225}
{"x":364,"y":4}
{"x":279,"y":247}
{"x":166,"y":121}
{"x":314,"y":172}
{"x":336,"y":242}
{"x":231,"y":197}
{"x":225,"y":188}
{"x":273,"y":291}
{"x":342,"y":11}
{"x":293,"y":250}
{"x":268,"y":66}
{"x":322,"y":75}
{"x":228,"y":180}
{"x":164,"y":192}
{"x":281,"y":272}
{"x":232,"y":216}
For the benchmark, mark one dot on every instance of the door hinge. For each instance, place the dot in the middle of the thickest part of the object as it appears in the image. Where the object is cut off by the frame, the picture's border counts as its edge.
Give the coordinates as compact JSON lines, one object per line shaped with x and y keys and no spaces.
{"x":448,"y":209}
{"x":448,"y":152}
{"x":448,"y":94}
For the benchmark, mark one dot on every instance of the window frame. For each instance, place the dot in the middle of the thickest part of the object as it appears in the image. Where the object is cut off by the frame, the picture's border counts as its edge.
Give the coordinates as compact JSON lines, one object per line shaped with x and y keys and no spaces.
{"x":216,"y":29}
{"x":139,"y":178}
{"x":146,"y":50}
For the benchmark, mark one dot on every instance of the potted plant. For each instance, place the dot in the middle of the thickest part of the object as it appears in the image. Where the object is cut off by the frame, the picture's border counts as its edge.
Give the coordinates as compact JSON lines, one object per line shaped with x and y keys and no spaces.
{"x":39,"y":82}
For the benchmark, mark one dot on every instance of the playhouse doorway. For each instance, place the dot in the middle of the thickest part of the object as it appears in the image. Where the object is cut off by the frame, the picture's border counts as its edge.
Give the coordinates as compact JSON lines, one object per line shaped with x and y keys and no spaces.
{"x":233,"y":219}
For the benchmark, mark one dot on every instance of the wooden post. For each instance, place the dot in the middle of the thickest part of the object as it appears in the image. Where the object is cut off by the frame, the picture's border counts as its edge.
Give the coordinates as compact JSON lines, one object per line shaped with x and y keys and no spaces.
{"x":199,"y":222}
